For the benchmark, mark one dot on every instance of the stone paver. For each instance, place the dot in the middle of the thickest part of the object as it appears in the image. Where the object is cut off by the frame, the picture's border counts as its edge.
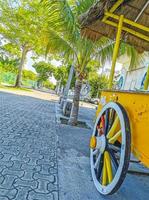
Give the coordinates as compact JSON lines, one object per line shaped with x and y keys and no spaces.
{"x":28,"y":159}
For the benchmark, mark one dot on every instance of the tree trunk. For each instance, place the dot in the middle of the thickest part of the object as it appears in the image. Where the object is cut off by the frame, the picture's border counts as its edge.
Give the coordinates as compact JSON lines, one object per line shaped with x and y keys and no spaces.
{"x":19,"y":76}
{"x":68,"y":84}
{"x":75,"y":106}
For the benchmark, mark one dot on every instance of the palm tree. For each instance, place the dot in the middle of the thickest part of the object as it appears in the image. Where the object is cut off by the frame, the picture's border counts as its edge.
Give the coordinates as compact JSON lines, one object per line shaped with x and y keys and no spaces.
{"x":64,"y":36}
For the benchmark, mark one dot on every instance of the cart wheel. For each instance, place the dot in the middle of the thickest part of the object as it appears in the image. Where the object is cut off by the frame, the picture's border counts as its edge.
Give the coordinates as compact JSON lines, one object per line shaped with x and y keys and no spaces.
{"x":110,"y":148}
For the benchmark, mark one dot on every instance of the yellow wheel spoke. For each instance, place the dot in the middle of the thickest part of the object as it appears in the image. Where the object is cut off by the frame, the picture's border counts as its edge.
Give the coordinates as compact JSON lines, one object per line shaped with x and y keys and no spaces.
{"x":113,"y":128}
{"x":115,"y":137}
{"x":108,"y":166}
{"x":104,"y":175}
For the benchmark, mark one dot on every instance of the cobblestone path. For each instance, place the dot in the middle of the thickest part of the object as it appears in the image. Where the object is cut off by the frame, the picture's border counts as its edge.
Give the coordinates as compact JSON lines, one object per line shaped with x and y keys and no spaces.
{"x":28,"y":162}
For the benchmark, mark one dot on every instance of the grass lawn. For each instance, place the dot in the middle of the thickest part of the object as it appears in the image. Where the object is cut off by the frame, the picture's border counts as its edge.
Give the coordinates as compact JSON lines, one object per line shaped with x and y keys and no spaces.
{"x":15,"y":88}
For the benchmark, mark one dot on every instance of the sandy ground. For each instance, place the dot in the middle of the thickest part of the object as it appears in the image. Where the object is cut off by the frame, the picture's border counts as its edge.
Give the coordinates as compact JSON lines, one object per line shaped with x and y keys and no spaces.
{"x":32,"y":93}
{"x":43,"y":95}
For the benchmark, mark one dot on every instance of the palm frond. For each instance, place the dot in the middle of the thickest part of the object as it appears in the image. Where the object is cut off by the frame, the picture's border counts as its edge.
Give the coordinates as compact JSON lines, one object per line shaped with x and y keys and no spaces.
{"x":57,"y":44}
{"x":136,"y":59}
{"x":83,"y":5}
{"x":65,"y":17}
{"x":104,"y":50}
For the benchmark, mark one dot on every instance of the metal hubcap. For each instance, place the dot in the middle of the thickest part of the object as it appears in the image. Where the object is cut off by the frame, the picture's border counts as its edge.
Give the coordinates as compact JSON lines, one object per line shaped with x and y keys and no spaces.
{"x":98,"y":143}
{"x":101,"y":143}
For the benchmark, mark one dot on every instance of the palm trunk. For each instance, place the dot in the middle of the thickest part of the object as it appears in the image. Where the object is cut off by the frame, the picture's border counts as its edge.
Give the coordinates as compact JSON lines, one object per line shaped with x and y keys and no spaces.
{"x":68,"y":84}
{"x":19,"y":76}
{"x":75,"y":106}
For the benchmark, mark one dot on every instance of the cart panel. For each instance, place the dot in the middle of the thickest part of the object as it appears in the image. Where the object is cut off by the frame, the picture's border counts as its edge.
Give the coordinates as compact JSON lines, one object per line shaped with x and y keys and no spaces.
{"x":137,"y":107}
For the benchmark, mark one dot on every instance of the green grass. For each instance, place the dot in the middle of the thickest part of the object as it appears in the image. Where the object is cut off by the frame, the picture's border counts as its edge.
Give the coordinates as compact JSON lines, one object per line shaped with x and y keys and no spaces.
{"x":15,"y":88}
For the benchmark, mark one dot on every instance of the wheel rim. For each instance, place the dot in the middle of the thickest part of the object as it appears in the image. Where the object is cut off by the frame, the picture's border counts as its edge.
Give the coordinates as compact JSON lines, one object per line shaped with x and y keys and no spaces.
{"x":110,"y":152}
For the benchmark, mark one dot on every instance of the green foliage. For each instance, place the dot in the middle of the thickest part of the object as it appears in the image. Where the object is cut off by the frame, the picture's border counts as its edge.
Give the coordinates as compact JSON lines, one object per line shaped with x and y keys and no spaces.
{"x":135,"y":57}
{"x":25,"y":24}
{"x":97,"y":83}
{"x":9,"y":65}
{"x":44,"y":70}
{"x":29,"y":83}
{"x":10,"y":50}
{"x":66,"y":38}
{"x":27,"y":74}
{"x":48,"y":84}
{"x":83,"y":5}
{"x":61,"y":74}
{"x":9,"y":70}
{"x":52,"y":26}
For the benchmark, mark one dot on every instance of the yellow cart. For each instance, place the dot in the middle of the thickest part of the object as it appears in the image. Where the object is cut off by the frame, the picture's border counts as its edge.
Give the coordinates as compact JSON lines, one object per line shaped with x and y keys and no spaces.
{"x":122,"y":127}
{"x":122,"y":123}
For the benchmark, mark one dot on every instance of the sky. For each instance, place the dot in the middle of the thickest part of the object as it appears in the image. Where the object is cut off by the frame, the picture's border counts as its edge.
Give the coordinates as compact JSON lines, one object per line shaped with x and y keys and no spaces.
{"x":30,"y":62}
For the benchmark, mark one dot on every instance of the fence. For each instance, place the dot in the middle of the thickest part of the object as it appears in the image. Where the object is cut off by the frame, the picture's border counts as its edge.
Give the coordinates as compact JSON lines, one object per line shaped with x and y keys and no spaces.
{"x":9,"y":78}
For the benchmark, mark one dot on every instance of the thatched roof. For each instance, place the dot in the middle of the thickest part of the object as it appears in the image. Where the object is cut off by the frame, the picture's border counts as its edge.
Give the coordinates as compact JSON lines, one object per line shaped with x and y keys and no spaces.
{"x":93,"y":27}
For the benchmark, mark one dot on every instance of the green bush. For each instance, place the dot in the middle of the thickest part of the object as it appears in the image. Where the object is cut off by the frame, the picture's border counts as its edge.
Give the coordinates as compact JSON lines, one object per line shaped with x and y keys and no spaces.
{"x":48,"y":84}
{"x":29,"y":75}
{"x":97,"y":83}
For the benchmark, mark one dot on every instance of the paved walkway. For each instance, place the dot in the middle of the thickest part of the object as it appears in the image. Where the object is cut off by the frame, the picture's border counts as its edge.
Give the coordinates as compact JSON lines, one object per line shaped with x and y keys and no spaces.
{"x":28,"y":162}
{"x":28,"y":154}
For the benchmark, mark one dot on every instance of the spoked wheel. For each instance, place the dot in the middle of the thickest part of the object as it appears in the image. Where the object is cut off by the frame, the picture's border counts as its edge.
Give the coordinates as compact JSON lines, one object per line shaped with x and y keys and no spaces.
{"x":110,"y":148}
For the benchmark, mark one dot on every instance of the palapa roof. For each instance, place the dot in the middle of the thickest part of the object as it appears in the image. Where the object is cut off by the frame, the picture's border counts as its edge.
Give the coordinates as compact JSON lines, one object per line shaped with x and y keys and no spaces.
{"x":93,"y":28}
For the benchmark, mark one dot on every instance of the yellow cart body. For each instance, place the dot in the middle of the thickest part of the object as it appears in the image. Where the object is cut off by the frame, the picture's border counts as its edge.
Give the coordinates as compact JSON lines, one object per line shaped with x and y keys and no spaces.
{"x":137,"y":106}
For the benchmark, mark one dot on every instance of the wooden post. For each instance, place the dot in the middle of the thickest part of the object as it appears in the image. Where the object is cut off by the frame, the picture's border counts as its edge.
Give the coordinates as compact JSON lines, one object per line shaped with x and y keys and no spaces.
{"x":116,"y":50}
